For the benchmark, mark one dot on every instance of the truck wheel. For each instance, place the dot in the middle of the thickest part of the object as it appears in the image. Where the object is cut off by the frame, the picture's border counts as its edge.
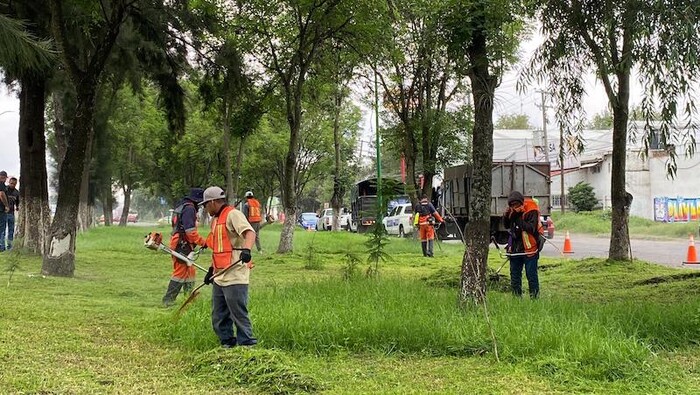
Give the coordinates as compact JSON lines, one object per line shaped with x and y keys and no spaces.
{"x":401,"y":232}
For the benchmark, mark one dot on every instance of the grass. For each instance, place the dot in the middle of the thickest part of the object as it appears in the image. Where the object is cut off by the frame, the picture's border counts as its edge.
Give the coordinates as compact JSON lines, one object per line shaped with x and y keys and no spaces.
{"x":598,"y":222}
{"x":322,"y":330}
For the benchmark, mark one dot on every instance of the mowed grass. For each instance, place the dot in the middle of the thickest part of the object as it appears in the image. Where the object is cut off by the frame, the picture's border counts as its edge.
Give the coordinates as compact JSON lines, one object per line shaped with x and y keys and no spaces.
{"x":598,"y":328}
{"x":598,"y":222}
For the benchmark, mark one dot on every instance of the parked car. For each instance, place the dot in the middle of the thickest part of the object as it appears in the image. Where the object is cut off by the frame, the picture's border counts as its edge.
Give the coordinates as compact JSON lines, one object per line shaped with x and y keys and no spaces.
{"x":132,"y":217}
{"x":307,"y":220}
{"x":400,"y":220}
{"x":325,"y":220}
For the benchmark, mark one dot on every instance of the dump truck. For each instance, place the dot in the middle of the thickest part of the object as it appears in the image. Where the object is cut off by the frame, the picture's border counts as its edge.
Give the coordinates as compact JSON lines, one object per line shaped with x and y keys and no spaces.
{"x":363,"y":201}
{"x":530,"y":178}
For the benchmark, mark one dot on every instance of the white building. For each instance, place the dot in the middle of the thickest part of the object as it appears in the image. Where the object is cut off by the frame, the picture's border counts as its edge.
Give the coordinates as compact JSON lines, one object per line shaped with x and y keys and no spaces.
{"x":656,"y":195}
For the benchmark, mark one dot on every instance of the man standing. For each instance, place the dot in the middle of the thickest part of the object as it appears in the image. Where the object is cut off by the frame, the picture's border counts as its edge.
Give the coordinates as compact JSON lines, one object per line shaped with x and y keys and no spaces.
{"x":183,"y":239}
{"x":425,"y":218}
{"x":253,"y":212}
{"x":230,"y":241}
{"x":13,"y":203}
{"x":522,"y":217}
{"x":4,"y":209}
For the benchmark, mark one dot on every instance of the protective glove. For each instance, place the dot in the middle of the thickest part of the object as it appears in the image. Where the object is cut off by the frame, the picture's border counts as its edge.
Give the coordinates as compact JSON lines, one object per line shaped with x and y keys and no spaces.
{"x":245,"y":255}
{"x":208,"y":276}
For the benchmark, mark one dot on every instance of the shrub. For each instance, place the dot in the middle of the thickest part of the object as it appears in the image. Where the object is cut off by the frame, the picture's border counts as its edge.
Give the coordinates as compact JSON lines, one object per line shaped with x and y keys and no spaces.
{"x":582,"y":197}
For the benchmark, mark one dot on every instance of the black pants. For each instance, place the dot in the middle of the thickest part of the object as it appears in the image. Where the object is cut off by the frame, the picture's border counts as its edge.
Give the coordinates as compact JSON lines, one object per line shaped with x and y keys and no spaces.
{"x":174,"y":289}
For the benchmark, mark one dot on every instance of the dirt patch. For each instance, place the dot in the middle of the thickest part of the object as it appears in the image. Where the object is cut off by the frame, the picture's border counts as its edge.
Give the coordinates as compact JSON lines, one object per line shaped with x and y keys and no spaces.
{"x":669,"y":278}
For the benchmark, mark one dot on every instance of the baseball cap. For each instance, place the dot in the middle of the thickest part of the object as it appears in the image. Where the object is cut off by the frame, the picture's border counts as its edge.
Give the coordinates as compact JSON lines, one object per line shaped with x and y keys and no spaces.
{"x":3,"y":173}
{"x":213,"y":193}
{"x":249,"y":194}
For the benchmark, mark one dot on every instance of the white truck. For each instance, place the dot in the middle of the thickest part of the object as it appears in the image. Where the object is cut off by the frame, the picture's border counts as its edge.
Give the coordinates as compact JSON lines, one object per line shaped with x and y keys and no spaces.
{"x":325,"y":219}
{"x":400,"y":220}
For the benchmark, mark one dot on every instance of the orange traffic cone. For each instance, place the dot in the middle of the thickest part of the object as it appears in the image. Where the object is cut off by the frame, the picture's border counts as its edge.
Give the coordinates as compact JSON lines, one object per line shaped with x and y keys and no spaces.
{"x":692,"y":258}
{"x":567,"y":244}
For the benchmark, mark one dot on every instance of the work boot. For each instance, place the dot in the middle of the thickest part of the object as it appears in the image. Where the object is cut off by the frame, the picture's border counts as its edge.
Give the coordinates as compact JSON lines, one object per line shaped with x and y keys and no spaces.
{"x":424,"y":246}
{"x":430,"y":248}
{"x":171,"y":293}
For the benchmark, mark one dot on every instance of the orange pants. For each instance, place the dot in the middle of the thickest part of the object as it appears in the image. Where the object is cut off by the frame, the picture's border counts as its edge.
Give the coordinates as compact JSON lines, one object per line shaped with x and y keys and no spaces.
{"x":181,"y":272}
{"x":427,"y":232}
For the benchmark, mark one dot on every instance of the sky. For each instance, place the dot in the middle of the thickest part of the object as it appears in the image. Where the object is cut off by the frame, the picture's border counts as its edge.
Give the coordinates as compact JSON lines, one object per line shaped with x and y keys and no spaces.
{"x":508,"y":101}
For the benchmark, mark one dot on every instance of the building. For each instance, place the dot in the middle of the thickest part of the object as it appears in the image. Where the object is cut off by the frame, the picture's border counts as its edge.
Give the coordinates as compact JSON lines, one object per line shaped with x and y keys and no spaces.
{"x":657,"y":196}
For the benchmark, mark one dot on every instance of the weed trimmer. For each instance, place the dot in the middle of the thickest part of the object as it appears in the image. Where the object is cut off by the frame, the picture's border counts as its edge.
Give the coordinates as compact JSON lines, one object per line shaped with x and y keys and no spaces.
{"x":195,"y":292}
{"x":154,"y":241}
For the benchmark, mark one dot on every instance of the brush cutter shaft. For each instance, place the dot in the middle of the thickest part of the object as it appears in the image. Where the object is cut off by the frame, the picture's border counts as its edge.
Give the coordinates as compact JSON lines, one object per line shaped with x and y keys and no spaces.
{"x":181,"y":257}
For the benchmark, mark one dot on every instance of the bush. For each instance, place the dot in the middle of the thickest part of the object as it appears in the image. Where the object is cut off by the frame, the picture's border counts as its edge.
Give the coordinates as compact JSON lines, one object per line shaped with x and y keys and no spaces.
{"x":582,"y":197}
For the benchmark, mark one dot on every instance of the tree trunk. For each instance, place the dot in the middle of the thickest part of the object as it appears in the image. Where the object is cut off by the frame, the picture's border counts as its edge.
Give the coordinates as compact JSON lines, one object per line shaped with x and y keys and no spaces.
{"x":338,"y":192}
{"x":619,"y":235}
{"x":290,"y":168}
{"x":107,"y":210}
{"x":239,"y":163}
{"x":34,"y":215}
{"x":228,"y":163}
{"x":473,"y":278}
{"x":124,"y":219}
{"x":287,"y":236}
{"x":85,"y":208}
{"x":59,"y":255}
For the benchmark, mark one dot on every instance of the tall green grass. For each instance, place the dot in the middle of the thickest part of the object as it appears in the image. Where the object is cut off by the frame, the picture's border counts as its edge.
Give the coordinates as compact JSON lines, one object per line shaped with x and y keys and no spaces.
{"x":562,"y":339}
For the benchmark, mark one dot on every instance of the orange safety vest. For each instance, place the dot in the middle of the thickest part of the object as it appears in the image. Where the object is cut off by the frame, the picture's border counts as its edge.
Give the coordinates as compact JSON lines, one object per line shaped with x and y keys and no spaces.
{"x":218,"y":241}
{"x":529,"y":240}
{"x":254,"y":210}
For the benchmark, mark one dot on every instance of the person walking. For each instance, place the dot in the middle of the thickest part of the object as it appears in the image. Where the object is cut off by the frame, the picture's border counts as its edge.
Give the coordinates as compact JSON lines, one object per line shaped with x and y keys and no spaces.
{"x":425,"y":217}
{"x":522,"y":218}
{"x":253,"y":212}
{"x":4,"y":209}
{"x":12,"y":194}
{"x":230,"y":240}
{"x":183,"y":239}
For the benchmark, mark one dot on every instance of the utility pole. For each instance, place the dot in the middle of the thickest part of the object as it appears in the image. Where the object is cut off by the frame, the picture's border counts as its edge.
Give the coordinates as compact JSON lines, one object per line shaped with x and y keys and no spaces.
{"x":562,"y":200}
{"x":379,"y":158}
{"x":544,"y":125}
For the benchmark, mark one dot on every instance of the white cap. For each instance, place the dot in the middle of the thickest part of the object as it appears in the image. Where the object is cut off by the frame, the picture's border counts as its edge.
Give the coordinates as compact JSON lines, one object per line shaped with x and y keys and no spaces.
{"x":213,"y":193}
{"x":249,"y":194}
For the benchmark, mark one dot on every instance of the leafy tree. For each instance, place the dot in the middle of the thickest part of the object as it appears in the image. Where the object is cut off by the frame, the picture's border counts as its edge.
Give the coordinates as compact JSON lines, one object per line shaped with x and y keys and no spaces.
{"x":20,"y":49}
{"x":25,"y":58}
{"x":602,"y":121}
{"x":656,"y":38}
{"x":513,"y":121}
{"x":291,"y":36}
{"x":483,"y":36}
{"x":582,"y":197}
{"x":419,"y":80}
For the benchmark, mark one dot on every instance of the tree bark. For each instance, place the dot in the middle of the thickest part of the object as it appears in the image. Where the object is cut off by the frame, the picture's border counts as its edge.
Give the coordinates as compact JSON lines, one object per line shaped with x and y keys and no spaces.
{"x":124,"y":219}
{"x":85,"y":208}
{"x":239,"y":163}
{"x":59,"y":256}
{"x":289,"y":196}
{"x":473,"y":277}
{"x":228,"y":163}
{"x":338,"y":190}
{"x":34,"y":215}
{"x":619,"y":233}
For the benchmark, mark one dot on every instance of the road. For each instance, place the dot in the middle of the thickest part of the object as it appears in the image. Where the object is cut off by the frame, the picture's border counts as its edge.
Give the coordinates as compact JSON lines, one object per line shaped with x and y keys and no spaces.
{"x":664,"y":252}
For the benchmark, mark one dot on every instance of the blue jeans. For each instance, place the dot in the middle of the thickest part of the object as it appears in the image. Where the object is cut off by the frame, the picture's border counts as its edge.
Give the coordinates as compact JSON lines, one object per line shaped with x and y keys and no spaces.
{"x":3,"y":227}
{"x":10,"y":229}
{"x":516,"y":275}
{"x":230,"y":307}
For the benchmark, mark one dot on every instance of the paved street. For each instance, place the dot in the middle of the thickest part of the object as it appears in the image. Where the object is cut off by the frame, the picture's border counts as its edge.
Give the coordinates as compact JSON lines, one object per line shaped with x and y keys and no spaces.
{"x":665,"y":252}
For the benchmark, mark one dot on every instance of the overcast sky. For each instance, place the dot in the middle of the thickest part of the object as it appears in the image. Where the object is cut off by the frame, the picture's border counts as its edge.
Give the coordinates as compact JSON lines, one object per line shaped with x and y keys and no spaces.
{"x":508,"y":101}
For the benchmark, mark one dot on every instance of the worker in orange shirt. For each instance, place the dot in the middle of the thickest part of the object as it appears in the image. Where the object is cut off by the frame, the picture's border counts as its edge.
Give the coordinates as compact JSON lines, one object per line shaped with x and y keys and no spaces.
{"x":183,"y":240}
{"x":425,"y":218}
{"x":253,"y":212}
